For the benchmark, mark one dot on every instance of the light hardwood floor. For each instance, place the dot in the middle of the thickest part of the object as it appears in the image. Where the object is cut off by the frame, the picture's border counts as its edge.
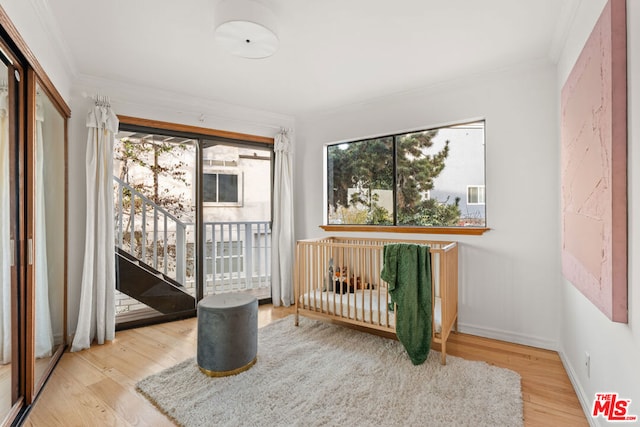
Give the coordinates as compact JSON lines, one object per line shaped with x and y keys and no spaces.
{"x":96,"y":387}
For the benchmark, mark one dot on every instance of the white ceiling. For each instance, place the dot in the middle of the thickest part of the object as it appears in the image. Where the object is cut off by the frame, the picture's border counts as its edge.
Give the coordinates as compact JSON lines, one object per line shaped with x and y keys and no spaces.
{"x":332,"y":52}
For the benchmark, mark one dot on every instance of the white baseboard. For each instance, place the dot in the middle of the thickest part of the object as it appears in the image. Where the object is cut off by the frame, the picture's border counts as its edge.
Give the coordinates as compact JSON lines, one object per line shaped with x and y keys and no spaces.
{"x":508,"y":336}
{"x":585,"y":401}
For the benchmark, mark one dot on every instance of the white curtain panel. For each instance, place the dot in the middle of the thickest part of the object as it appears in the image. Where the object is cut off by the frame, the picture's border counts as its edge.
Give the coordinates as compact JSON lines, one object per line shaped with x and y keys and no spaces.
{"x":44,"y":331}
{"x":5,"y":244}
{"x":282,"y":232}
{"x":96,"y":318}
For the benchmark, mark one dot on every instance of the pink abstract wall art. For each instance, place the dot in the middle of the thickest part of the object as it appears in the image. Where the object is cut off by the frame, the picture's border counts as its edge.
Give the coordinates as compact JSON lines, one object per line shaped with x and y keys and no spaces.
{"x":594,"y":166}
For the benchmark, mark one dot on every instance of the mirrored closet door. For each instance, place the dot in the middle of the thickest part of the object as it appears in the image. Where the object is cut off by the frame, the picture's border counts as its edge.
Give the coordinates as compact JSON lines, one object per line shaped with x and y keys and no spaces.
{"x":48,"y":221}
{"x":11,"y":363}
{"x":33,"y":225}
{"x":5,"y":248}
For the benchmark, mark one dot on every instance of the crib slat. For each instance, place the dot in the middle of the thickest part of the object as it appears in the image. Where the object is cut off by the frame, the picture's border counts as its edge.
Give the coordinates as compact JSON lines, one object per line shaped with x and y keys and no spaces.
{"x":348,"y":262}
{"x":314,"y":275}
{"x":357,"y":284}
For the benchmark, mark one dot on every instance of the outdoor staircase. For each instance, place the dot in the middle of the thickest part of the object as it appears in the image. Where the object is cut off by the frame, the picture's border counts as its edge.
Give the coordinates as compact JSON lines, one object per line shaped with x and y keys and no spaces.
{"x":151,"y":244}
{"x":149,"y":286}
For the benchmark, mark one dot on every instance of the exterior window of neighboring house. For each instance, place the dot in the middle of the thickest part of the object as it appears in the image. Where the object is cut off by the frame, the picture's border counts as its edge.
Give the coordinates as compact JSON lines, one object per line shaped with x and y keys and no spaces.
{"x":222,"y":189}
{"x":475,"y":194}
{"x":417,"y":178}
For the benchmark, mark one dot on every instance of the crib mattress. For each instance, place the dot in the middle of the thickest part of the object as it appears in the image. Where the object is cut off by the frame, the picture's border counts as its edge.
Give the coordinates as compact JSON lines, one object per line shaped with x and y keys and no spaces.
{"x":362,"y":305}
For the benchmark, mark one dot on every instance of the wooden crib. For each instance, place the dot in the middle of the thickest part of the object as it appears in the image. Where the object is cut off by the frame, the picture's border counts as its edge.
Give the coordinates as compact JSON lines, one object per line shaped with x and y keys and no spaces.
{"x":339,"y":279}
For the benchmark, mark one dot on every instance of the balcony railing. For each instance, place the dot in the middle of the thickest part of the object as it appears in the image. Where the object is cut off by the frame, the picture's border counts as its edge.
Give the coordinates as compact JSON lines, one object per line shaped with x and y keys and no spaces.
{"x":237,"y":255}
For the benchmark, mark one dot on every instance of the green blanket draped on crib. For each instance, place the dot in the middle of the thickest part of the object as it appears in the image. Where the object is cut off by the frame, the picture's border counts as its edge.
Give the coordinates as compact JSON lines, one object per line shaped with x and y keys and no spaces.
{"x":407,"y":270}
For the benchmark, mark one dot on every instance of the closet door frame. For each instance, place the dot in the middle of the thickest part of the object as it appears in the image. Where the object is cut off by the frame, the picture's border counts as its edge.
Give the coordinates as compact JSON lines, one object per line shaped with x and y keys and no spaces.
{"x":35,"y":385}
{"x":15,"y":89}
{"x":25,"y":389}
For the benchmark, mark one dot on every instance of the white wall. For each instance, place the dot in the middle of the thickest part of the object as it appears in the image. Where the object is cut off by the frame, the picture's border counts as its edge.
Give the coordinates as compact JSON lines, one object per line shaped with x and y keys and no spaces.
{"x":146,"y":103}
{"x":29,"y":17}
{"x":510,"y":276}
{"x":614,"y":347}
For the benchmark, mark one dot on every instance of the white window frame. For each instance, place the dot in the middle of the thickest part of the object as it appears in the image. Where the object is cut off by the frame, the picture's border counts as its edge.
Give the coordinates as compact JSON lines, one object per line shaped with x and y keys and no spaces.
{"x":481,"y":195}
{"x":240,"y":176}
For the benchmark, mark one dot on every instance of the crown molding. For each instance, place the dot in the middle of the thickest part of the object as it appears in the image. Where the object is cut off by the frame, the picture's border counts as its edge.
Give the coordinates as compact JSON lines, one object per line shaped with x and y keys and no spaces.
{"x":564,"y":23}
{"x":198,"y":111}
{"x":454,"y":82}
{"x":52,"y":29}
{"x":36,"y":67}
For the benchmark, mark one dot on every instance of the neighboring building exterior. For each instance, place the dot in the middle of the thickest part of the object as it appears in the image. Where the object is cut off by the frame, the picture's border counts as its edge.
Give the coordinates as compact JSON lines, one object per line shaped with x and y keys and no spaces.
{"x":243,"y":180}
{"x":464,"y":171}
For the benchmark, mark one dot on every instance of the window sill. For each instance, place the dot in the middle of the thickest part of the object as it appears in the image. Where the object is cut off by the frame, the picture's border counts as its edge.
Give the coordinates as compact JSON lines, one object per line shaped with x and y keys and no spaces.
{"x":469,"y":231}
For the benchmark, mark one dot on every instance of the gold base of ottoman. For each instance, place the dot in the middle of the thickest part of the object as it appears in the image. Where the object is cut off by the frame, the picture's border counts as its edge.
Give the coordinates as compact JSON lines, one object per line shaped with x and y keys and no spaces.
{"x":231,"y":372}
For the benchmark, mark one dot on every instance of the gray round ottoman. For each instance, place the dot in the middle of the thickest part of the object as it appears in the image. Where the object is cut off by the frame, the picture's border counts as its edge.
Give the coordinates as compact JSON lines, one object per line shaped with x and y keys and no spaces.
{"x":227,"y":334}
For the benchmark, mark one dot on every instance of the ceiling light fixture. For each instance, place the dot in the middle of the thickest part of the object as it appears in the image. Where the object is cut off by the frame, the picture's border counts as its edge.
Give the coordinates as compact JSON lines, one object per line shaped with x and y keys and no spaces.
{"x":246,"y":28}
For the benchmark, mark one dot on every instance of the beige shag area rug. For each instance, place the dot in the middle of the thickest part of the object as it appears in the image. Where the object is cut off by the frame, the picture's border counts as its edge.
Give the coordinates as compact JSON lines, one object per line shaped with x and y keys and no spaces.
{"x":320,"y":374}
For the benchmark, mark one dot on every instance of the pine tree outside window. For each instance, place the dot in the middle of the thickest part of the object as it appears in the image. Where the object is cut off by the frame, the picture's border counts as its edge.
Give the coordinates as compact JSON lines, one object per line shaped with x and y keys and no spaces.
{"x":411,"y":179}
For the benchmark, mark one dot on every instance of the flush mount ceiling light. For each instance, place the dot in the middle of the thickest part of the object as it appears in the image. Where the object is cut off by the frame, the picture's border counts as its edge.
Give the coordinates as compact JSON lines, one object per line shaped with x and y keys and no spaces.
{"x":246,"y":28}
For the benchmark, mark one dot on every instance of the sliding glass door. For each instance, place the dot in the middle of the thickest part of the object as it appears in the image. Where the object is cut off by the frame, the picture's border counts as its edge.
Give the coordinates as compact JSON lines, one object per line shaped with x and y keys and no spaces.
{"x":236,"y":212}
{"x":155,"y":225}
{"x":192,"y":218}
